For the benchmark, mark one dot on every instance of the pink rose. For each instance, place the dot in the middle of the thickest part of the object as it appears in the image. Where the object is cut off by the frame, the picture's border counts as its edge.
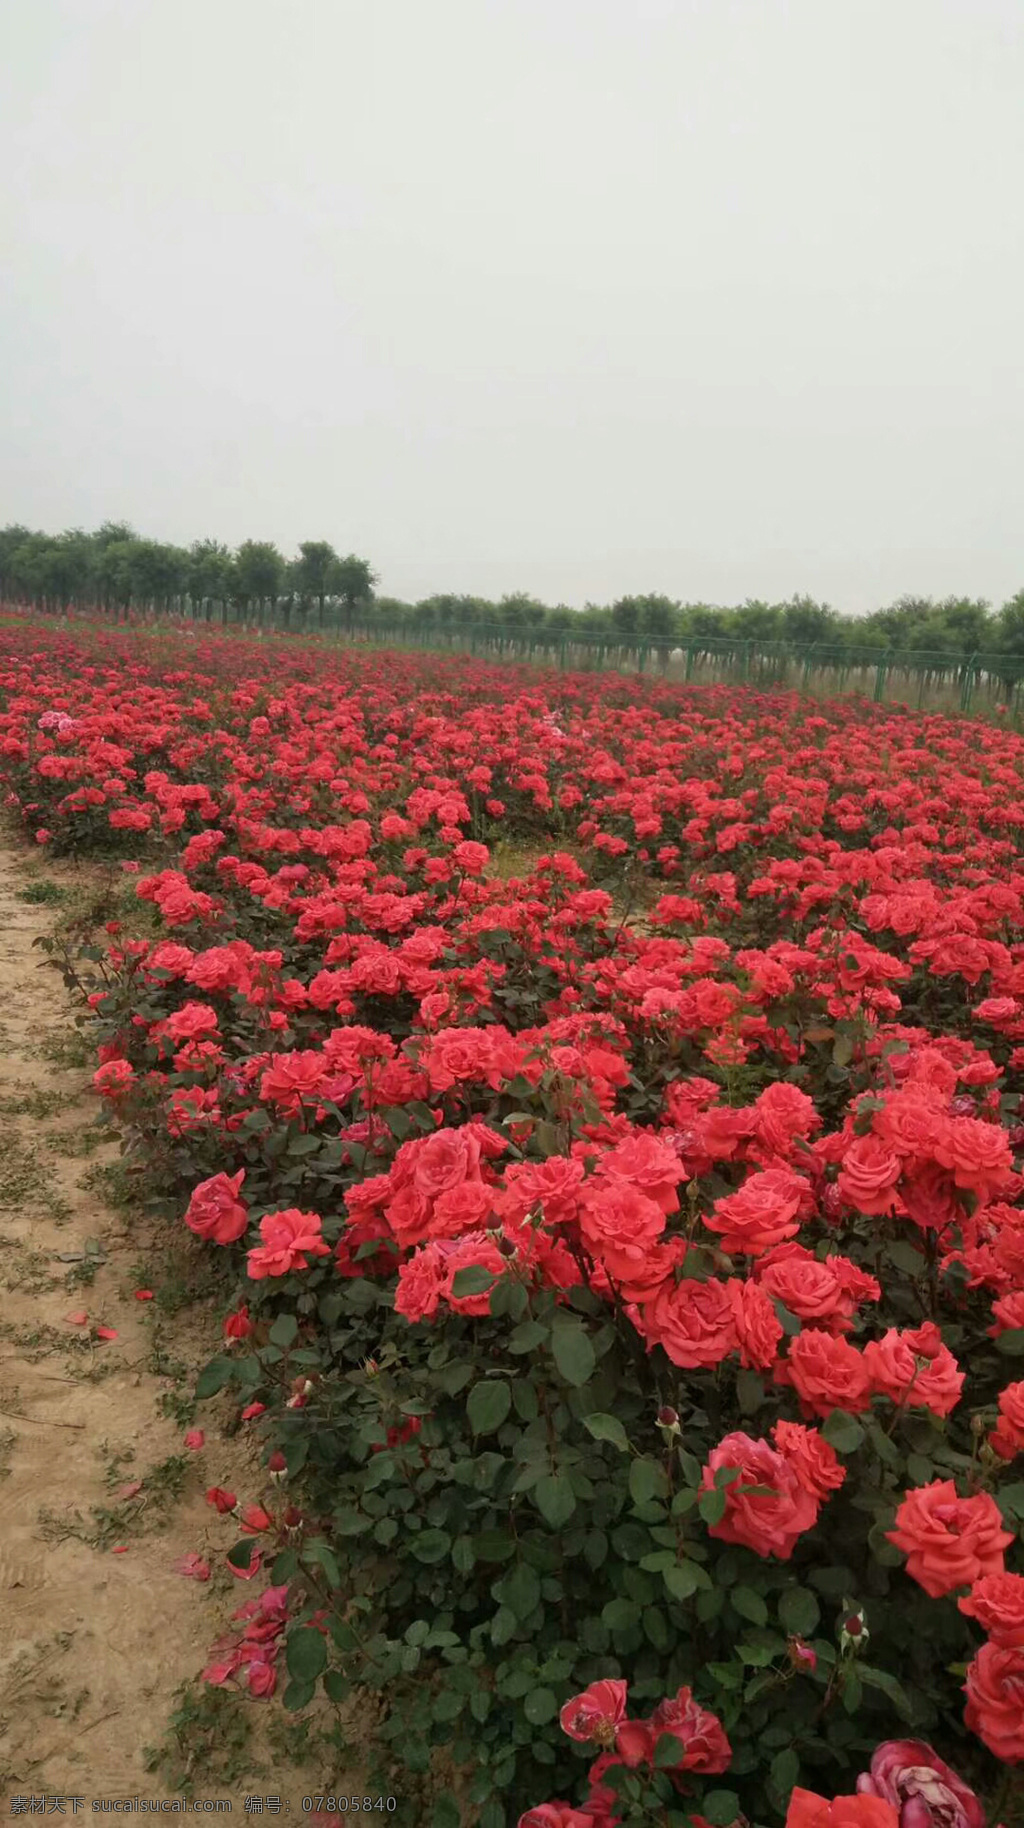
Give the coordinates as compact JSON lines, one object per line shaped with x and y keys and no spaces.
{"x":908,"y":1774}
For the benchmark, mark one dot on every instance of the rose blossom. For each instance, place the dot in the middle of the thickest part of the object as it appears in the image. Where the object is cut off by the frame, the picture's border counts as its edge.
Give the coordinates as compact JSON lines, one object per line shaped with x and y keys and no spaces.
{"x":707,"y":1748}
{"x":772,"y":1522}
{"x":595,"y":1713}
{"x":892,"y":1365}
{"x":997,"y":1602}
{"x":1007,"y":1436}
{"x":827,"y":1373}
{"x":288,"y":1239}
{"x":806,"y":1810}
{"x":949,"y":1541}
{"x":927,"y":1793}
{"x":215,"y":1211}
{"x":995,"y":1700}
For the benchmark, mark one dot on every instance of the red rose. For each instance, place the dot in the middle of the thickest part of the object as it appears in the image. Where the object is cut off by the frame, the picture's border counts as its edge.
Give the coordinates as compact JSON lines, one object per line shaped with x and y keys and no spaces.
{"x":995,"y":1700}
{"x":707,"y":1748}
{"x":289,"y":1239}
{"x":868,"y":1176}
{"x":813,"y":1459}
{"x":215,"y":1212}
{"x":949,"y":1541}
{"x":619,"y":1224}
{"x":771,"y":1522}
{"x":761,"y":1214}
{"x":595,"y":1713}
{"x":997,"y":1602}
{"x":809,"y":1811}
{"x":694,"y":1322}
{"x":826,"y":1373}
{"x":893,"y":1367}
{"x":1007,"y":1436}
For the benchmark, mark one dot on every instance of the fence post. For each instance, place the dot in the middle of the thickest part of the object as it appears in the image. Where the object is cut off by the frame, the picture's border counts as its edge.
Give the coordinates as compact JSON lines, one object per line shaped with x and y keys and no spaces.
{"x":967,"y":688}
{"x":690,"y":658}
{"x":808,"y":654}
{"x":880,"y":676}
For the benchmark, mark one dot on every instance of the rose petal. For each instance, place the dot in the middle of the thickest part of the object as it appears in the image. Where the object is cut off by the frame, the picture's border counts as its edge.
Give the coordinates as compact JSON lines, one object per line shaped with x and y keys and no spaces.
{"x":131,"y":1490}
{"x":77,"y":1320}
{"x":106,"y":1332}
{"x":143,"y":1294}
{"x":195,"y":1439}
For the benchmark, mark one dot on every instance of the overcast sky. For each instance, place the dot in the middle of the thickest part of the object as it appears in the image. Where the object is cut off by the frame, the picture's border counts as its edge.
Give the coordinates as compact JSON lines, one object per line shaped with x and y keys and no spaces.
{"x":721,"y":298}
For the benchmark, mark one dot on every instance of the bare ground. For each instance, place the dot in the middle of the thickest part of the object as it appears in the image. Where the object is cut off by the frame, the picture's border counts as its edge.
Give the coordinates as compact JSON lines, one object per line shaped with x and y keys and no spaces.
{"x":95,"y":1646}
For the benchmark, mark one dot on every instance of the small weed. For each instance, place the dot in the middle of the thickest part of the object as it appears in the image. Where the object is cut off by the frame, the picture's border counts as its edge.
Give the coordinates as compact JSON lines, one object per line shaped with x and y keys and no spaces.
{"x":162,"y":1487}
{"x":177,"y":1406}
{"x":39,"y":1341}
{"x":66,"y":1049}
{"x":73,"y":1143}
{"x":41,"y":894}
{"x":207,"y":1743}
{"x":8,"y":1440}
{"x":37,"y":1104}
{"x":27,"y":1271}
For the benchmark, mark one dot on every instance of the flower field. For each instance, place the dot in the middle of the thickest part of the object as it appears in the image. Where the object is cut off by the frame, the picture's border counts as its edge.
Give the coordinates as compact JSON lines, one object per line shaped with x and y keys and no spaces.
{"x":607,"y":1094}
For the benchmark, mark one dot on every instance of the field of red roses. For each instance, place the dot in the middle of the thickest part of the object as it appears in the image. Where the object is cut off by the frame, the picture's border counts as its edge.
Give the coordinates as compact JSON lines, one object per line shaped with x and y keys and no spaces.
{"x":630,"y":1250}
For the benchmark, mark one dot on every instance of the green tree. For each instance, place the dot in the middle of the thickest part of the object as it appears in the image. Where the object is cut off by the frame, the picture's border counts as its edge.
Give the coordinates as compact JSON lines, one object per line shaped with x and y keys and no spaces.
{"x":209,"y":578}
{"x":314,"y":571}
{"x":352,"y":582}
{"x":259,"y":571}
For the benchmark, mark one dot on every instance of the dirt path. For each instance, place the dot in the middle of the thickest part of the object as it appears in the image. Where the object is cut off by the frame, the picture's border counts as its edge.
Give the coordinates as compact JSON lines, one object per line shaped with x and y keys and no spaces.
{"x":94,"y":1643}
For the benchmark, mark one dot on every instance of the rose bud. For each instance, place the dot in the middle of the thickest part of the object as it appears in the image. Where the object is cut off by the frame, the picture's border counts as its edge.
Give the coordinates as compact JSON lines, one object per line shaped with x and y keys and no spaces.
{"x":853,"y":1634}
{"x":801,"y":1655}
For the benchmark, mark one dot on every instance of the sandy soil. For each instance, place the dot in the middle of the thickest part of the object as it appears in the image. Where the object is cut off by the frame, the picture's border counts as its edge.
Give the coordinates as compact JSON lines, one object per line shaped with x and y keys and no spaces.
{"x":93,"y":1644}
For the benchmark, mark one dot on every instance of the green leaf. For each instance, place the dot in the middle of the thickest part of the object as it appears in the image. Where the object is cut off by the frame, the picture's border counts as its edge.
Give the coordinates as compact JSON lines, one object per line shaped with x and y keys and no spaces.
{"x":607,"y":1428}
{"x":683,"y":1579}
{"x":283,"y":1331}
{"x":852,"y":1691}
{"x":668,"y":1752}
{"x":430,"y":1545}
{"x":1011,"y":1343}
{"x":843,"y":1431}
{"x":447,"y":1813}
{"x":213,"y":1377}
{"x":799,"y":1611}
{"x":475,"y":1280}
{"x":306,"y":1654}
{"x":573,"y":1352}
{"x":711,"y":1505}
{"x":298,"y":1695}
{"x":720,"y":1808}
{"x":520,"y":1589}
{"x":749,"y":1605}
{"x":647,"y":1482}
{"x":889,"y":1686}
{"x":785,"y":1770}
{"x":749,"y":1391}
{"x":488,"y":1406}
{"x":528,"y":1336}
{"x":620,"y":1614}
{"x":555,"y":1499}
{"x":788,"y":1321}
{"x":241,"y":1554}
{"x":318,"y":1551}
{"x":540,"y":1706}
{"x":905,"y":1256}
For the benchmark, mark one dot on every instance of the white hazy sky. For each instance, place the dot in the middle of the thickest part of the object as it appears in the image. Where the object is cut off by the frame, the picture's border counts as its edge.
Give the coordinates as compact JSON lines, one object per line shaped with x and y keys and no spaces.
{"x":715,"y":297}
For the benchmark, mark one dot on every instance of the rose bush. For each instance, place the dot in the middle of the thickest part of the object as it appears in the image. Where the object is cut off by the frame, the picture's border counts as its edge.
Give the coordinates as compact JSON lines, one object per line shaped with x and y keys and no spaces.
{"x":632,"y":1303}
